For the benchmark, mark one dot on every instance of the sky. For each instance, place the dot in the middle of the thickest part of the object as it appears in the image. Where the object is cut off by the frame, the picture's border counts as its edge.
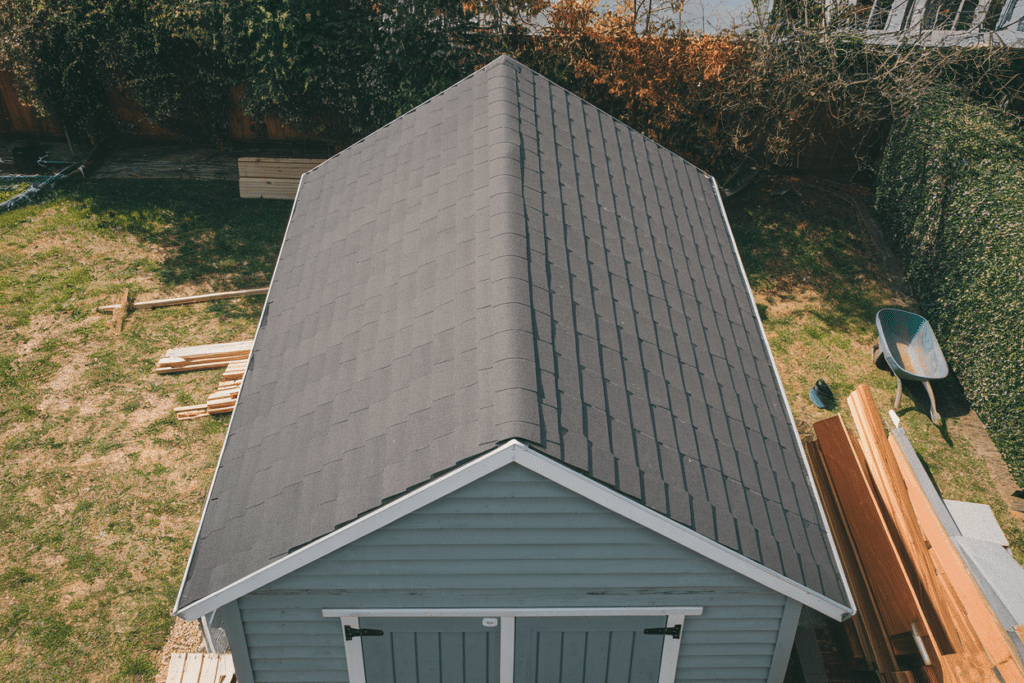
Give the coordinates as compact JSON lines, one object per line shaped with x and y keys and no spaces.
{"x":705,"y":16}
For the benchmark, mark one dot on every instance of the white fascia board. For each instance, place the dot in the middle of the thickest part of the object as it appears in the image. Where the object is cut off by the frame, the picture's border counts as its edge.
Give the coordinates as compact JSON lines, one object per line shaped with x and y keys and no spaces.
{"x":683,"y":535}
{"x":206,"y":506}
{"x":516,"y":452}
{"x":372,"y":521}
{"x":846,"y":612}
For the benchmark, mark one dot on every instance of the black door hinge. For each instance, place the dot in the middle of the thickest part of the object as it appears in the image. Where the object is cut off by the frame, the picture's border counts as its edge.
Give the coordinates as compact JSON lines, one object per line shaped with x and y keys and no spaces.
{"x":351,"y":633}
{"x":674,"y":631}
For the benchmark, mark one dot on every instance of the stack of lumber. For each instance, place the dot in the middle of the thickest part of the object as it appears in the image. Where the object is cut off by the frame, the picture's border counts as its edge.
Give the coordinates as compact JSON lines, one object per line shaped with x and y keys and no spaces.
{"x":233,"y":357}
{"x":921,"y":615}
{"x":223,"y":400}
{"x":200,"y":667}
{"x":272,"y":178}
{"x":204,"y":357}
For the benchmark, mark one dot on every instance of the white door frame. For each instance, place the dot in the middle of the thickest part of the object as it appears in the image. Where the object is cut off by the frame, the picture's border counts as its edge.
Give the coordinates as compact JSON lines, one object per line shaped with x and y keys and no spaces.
{"x":669,"y":653}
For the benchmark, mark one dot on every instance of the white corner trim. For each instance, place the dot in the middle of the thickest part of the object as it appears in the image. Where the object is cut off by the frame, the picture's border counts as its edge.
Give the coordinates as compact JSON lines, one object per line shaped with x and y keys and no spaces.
{"x":507,"y":650}
{"x":851,"y":609}
{"x":206,"y":506}
{"x":784,"y":641}
{"x":670,"y":649}
{"x":354,"y":653}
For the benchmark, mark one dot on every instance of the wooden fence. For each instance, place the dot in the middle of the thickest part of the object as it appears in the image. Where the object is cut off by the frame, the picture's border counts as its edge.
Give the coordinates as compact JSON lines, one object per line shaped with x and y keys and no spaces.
{"x":19,"y":119}
{"x":834,"y":155}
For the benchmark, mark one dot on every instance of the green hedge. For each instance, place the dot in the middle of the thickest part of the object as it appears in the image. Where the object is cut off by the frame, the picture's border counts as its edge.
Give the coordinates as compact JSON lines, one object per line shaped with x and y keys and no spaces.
{"x":950,"y":193}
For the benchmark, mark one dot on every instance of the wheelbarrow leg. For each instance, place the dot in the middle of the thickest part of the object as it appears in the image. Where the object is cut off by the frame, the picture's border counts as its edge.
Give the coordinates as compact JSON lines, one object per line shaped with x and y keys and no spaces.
{"x":934,"y":412}
{"x":899,"y":393}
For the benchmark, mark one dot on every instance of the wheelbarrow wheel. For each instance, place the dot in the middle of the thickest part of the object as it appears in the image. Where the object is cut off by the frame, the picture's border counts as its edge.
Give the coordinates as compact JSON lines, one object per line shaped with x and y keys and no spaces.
{"x":879,"y":358}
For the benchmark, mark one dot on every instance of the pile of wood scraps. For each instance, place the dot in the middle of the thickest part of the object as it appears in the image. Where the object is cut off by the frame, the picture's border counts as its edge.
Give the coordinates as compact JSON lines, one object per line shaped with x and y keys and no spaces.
{"x":921,"y":615}
{"x":233,"y":357}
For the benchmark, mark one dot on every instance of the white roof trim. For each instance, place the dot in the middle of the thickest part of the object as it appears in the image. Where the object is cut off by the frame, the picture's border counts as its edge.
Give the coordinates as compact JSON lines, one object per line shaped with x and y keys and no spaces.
{"x":516,"y":452}
{"x":223,"y":447}
{"x":792,"y":421}
{"x":520,"y":612}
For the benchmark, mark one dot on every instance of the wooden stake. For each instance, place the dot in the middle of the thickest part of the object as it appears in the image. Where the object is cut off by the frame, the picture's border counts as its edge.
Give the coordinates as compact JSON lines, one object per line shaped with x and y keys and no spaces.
{"x":121,"y":307}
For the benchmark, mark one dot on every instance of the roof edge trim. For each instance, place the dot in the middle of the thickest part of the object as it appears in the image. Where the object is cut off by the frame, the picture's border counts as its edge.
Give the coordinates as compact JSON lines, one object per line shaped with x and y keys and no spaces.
{"x":361,"y":526}
{"x":516,"y":452}
{"x":789,"y":413}
{"x":224,"y":445}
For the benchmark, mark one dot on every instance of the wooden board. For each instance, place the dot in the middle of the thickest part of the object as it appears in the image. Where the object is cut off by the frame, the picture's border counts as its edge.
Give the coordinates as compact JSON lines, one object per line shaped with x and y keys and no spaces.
{"x":269,"y":167}
{"x":883,"y":567}
{"x":894,"y":503}
{"x":985,"y":644}
{"x":270,"y":178}
{"x":200,"y":667}
{"x":193,"y":351}
{"x":872,"y":642}
{"x":252,"y":187}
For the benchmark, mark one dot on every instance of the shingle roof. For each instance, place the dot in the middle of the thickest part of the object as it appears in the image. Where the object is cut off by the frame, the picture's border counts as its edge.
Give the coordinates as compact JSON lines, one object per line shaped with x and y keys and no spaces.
{"x":507,"y":261}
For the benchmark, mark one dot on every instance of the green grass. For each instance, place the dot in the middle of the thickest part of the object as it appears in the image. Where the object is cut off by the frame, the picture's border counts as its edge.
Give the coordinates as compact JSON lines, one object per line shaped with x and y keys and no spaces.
{"x":100,"y":486}
{"x":818,"y":281}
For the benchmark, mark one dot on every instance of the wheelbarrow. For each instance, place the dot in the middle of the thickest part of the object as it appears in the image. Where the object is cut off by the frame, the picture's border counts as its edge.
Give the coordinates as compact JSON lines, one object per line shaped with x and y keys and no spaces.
{"x":911,"y":350}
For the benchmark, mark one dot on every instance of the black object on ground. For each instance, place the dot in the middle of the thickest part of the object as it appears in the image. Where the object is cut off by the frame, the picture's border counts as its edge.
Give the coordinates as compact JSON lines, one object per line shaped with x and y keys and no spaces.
{"x":821,"y":395}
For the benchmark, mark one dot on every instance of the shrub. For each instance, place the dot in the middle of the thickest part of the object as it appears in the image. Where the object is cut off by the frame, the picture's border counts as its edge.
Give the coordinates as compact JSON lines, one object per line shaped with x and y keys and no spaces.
{"x":950,"y":193}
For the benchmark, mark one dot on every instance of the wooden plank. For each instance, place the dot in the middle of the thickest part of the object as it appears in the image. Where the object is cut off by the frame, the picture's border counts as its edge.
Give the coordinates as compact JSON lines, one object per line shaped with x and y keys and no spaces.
{"x":898,"y":607}
{"x":208,"y":672}
{"x":899,"y":515}
{"x":225,"y":668}
{"x":874,"y":643}
{"x":193,"y":665}
{"x":986,"y":644}
{"x":268,"y":167}
{"x":178,"y":362}
{"x":191,"y":367}
{"x":183,"y":409}
{"x":218,"y":349}
{"x":176,"y":668}
{"x":182,"y":300}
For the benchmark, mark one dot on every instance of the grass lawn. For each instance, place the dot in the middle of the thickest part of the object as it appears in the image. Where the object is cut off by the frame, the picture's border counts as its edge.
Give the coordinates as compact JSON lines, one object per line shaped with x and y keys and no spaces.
{"x":101,"y":488}
{"x":818,"y":280}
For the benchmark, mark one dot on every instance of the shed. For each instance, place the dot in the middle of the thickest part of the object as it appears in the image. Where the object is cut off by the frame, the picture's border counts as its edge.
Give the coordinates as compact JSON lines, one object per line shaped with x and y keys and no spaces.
{"x":510,"y":415}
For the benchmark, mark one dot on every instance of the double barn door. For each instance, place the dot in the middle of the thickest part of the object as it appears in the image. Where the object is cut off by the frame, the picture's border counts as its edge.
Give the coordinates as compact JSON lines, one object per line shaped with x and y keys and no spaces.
{"x":513,"y":649}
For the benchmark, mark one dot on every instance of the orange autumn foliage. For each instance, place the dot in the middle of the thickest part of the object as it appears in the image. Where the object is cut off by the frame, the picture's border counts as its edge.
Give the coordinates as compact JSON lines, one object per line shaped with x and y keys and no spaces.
{"x":656,"y":81}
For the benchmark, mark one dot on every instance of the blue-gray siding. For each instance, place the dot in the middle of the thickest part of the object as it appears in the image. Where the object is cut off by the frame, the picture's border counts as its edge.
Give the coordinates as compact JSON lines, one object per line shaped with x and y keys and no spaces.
{"x":512,"y":539}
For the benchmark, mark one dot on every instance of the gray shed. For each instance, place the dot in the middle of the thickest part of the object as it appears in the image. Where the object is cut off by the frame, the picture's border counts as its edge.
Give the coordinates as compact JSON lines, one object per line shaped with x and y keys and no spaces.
{"x":510,"y":416}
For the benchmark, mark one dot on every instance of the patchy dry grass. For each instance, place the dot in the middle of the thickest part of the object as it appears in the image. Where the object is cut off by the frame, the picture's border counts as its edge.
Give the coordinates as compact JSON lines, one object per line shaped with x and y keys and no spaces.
{"x":818,"y":280}
{"x":100,"y":486}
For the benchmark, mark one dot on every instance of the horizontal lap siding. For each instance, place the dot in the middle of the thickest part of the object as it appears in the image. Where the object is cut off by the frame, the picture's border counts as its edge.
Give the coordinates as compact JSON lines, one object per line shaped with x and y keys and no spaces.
{"x":730,"y":643}
{"x":512,"y":539}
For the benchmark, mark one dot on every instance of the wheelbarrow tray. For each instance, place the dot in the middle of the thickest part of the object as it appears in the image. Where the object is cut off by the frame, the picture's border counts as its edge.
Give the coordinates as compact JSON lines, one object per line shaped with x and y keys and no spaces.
{"x":909,"y":346}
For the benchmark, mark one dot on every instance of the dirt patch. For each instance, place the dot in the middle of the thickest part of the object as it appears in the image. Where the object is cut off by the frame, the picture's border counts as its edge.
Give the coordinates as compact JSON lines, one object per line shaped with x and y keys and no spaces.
{"x":186,"y":637}
{"x":78,"y":589}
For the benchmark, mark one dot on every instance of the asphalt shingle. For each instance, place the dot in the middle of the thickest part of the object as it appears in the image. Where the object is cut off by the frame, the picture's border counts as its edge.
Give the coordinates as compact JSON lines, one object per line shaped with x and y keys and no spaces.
{"x":507,"y":261}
